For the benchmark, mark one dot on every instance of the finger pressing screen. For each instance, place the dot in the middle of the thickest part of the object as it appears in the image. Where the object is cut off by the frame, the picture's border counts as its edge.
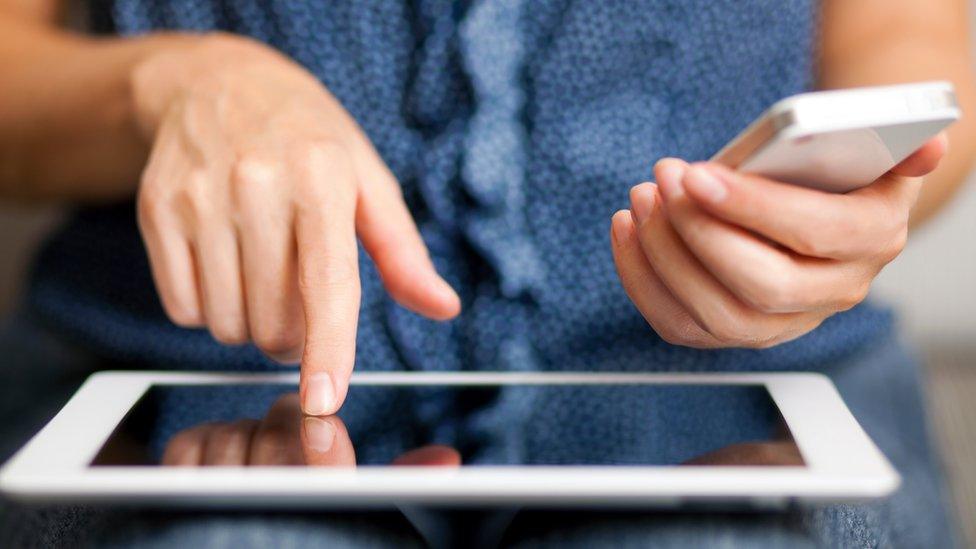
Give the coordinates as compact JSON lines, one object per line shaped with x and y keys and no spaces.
{"x":325,"y":442}
{"x":328,"y":275}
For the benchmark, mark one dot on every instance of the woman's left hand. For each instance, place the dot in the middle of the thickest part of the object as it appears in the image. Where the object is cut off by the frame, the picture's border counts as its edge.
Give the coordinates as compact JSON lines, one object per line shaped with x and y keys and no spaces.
{"x":714,"y":258}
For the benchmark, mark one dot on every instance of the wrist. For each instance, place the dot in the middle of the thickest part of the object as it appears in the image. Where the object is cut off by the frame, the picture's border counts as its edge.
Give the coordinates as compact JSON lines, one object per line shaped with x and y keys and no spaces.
{"x":172,"y":66}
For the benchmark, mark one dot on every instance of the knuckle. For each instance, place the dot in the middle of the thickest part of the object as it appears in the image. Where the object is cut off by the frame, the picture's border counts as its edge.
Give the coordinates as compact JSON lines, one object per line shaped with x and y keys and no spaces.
{"x":734,"y":328}
{"x":275,"y":439}
{"x":803,"y":326}
{"x":288,"y":401}
{"x":184,"y":441}
{"x":225,"y":435}
{"x":775,"y":294}
{"x":816,"y":245}
{"x":324,"y":149}
{"x":760,"y":344}
{"x":672,"y":337}
{"x":149,"y":208}
{"x":324,"y":154}
{"x":669,"y":337}
{"x":836,"y":238}
{"x":183,"y":315}
{"x":337,"y":272}
{"x":754,"y":342}
{"x":277,"y":340}
{"x":229,"y":332}
{"x":253,"y":169}
{"x":733,"y":334}
{"x":682,"y":335}
{"x":180,"y":451}
{"x":724,"y":326}
{"x":323,"y":157}
{"x":891,"y":219}
{"x":194,"y":198}
{"x":251,"y":176}
{"x":185,"y":446}
{"x":227,"y":337}
{"x":896,"y":244}
{"x":890,"y":222}
{"x":855,"y":296}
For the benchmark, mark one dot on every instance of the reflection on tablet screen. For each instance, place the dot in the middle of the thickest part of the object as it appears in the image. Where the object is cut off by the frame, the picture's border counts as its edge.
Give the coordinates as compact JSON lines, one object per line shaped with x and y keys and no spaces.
{"x":254,"y":425}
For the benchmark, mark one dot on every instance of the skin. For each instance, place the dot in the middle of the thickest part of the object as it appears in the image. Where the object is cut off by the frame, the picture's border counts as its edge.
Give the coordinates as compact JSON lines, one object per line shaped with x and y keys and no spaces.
{"x":253,"y":185}
{"x":251,"y":204}
{"x":713,"y":258}
{"x":779,"y":454}
{"x":871,"y":42}
{"x":256,"y":187}
{"x":284,"y":437}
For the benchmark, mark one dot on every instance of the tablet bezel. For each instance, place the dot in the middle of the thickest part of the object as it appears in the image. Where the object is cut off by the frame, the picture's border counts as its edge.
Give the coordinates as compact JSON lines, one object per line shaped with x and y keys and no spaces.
{"x":842,"y":463}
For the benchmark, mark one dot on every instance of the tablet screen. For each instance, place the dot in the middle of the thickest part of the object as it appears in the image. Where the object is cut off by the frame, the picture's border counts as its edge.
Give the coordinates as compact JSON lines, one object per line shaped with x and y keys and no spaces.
{"x":587,"y":424}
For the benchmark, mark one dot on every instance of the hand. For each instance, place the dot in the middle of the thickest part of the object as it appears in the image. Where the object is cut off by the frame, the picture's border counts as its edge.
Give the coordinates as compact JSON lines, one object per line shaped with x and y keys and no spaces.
{"x":778,"y":453}
{"x":283,"y":437}
{"x":714,"y":258}
{"x":256,"y":189}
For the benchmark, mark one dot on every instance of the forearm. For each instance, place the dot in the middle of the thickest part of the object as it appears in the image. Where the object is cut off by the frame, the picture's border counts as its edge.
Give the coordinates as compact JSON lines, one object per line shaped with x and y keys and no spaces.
{"x":874,"y":42}
{"x":67,"y":125}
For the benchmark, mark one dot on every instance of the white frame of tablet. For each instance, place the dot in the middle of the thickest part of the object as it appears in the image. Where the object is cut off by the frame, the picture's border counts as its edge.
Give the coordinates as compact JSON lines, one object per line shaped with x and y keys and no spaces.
{"x":842,"y":463}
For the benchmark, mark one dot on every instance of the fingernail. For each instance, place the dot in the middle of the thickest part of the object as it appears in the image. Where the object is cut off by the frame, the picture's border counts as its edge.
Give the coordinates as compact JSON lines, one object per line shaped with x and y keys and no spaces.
{"x":319,"y":433}
{"x":319,"y":394}
{"x":706,"y":184}
{"x":642,"y":199}
{"x":669,"y":179}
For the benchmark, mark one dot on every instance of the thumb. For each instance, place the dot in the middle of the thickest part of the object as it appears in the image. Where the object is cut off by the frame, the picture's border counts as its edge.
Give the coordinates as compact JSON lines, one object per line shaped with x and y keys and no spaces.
{"x":391,"y":238}
{"x":925,"y":159}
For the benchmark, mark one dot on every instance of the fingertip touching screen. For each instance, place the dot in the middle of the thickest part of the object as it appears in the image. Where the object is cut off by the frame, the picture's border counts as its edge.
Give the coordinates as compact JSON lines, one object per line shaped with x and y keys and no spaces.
{"x":586,"y":424}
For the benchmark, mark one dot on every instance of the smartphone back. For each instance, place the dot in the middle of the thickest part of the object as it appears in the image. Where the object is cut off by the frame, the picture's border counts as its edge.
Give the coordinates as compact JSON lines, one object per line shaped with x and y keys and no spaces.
{"x":839,"y":141}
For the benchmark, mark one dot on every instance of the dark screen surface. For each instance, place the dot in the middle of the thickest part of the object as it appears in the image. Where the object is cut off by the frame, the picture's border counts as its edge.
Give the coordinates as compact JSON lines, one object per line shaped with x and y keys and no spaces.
{"x":661,"y":424}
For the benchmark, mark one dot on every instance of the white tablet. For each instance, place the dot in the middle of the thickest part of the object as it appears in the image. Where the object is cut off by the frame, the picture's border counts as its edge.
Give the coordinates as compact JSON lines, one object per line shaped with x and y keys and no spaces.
{"x":240,"y":440}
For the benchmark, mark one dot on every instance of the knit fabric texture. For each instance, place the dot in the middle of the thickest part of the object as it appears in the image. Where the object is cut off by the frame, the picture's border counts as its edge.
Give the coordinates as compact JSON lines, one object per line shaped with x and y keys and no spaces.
{"x":516,"y":128}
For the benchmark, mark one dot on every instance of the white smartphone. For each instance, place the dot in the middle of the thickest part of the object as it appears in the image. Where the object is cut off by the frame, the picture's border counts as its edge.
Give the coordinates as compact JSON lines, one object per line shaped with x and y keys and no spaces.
{"x":841,"y":140}
{"x":756,"y":439}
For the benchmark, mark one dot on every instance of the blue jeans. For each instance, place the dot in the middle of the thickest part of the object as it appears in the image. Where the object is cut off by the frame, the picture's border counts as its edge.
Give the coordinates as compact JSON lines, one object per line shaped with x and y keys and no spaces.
{"x":881,"y":385}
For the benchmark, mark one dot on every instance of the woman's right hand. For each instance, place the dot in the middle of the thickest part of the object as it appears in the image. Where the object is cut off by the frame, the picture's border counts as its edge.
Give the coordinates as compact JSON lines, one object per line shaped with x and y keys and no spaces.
{"x":256,"y":188}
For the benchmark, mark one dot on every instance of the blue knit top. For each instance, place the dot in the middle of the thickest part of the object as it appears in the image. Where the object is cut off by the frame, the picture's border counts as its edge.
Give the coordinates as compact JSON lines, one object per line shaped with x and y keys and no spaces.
{"x":516,"y":129}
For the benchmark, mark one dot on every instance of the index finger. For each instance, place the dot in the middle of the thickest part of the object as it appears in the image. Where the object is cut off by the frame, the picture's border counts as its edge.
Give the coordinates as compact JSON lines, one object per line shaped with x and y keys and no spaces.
{"x":328,"y":271}
{"x":325,"y":442}
{"x":276,"y":438}
{"x":432,"y":455}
